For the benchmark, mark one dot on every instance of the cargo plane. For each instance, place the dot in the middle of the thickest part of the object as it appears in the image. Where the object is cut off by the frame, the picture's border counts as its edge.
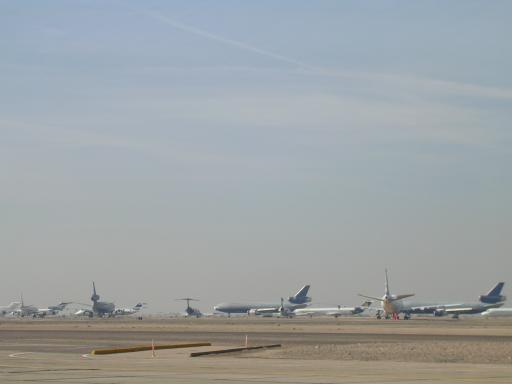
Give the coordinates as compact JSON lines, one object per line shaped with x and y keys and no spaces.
{"x":191,"y":312}
{"x":333,"y":311}
{"x":394,"y":305}
{"x":299,"y":300}
{"x":9,"y":309}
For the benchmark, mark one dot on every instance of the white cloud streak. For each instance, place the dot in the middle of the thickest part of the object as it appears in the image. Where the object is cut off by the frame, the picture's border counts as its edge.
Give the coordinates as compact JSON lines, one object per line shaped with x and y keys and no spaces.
{"x":468,"y":89}
{"x":223,"y":40}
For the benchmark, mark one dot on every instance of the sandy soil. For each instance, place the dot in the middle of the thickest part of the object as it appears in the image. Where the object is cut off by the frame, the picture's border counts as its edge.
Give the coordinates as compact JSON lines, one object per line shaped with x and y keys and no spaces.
{"x":314,"y":351}
{"x":435,"y":352}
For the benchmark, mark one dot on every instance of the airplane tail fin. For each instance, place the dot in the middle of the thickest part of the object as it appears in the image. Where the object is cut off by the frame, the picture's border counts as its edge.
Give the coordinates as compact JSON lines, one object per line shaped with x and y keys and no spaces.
{"x":387,"y":284}
{"x":371,"y":297}
{"x":301,"y":296}
{"x":494,"y":295}
{"x":496,"y":291}
{"x":95,"y":297}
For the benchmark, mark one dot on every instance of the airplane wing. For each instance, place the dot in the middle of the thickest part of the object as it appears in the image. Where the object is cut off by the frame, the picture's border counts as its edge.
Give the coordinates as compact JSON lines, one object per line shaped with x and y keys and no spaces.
{"x":84,"y":312}
{"x":337,"y":313}
{"x":309,"y":312}
{"x":470,"y":309}
{"x":425,"y":308}
{"x":265,"y":310}
{"x":399,"y":297}
{"x":371,"y":297}
{"x":459,"y":310}
{"x":445,"y":308}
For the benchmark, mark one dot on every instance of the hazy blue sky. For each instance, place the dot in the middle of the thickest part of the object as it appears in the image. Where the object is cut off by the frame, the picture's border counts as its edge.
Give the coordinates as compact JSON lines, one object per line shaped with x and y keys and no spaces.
{"x":228,"y":150}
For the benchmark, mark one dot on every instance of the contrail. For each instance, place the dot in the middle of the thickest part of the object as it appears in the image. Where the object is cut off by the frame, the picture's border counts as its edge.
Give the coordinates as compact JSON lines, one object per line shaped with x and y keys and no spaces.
{"x":461,"y":88}
{"x":235,"y":43}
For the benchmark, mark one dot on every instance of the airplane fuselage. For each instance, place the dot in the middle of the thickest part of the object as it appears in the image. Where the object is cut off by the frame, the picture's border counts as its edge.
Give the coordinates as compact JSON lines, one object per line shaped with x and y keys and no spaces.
{"x":438,"y":309}
{"x":102,"y":308}
{"x":247,"y":307}
{"x":498,"y":312}
{"x":329,"y":311}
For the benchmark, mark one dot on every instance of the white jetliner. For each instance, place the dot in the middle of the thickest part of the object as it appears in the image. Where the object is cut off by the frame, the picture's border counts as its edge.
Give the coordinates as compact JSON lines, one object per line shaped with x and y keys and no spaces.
{"x":394,"y":305}
{"x":333,"y":311}
{"x":299,"y":300}
{"x":281,"y":311}
{"x":129,"y":311}
{"x":498,"y":312}
{"x":29,"y":310}
{"x":117,"y":312}
{"x":25,"y":310}
{"x":52,"y":310}
{"x":9,"y":309}
{"x":390,"y":303}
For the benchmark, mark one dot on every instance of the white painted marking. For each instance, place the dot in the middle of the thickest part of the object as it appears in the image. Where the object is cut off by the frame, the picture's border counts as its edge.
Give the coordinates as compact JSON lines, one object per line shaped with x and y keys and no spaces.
{"x":85,"y":356}
{"x":18,"y":355}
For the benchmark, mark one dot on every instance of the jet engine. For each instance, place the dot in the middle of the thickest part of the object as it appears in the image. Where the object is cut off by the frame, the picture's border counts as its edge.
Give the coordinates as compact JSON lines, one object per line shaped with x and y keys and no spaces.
{"x":252,"y":312}
{"x":491,"y":299}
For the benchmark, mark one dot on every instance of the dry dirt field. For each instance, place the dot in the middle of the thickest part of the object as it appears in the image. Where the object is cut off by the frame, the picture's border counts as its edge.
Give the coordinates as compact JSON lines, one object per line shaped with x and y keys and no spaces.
{"x":360,"y":350}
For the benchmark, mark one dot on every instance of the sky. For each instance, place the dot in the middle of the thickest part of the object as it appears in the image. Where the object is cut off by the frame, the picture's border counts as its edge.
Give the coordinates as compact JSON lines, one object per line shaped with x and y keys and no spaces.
{"x":229,"y":150}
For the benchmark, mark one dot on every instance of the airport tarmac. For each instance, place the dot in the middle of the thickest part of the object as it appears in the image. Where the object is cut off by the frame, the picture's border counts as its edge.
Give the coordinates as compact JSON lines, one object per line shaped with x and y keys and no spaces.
{"x":360,"y":350}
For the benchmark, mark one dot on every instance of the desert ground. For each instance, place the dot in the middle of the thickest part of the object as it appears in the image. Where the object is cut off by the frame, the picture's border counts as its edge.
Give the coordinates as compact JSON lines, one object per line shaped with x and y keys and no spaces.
{"x":318,"y":350}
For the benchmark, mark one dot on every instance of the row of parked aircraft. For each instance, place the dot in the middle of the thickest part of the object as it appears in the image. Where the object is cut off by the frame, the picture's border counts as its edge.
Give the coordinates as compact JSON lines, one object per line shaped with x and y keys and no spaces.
{"x":392,"y":306}
{"x":98,"y":308}
{"x":19,"y":308}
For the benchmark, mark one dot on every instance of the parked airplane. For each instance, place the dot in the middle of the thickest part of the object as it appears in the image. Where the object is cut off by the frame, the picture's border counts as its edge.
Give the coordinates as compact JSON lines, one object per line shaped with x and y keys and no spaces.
{"x":394,"y":305}
{"x":25,"y":310}
{"x":493,"y":299}
{"x":299,"y":300}
{"x":52,"y":309}
{"x":391,"y":304}
{"x":497,"y":312}
{"x":98,"y":308}
{"x":191,"y":312}
{"x":8,"y":309}
{"x":129,"y":311}
{"x":280,"y":311}
{"x":333,"y":311}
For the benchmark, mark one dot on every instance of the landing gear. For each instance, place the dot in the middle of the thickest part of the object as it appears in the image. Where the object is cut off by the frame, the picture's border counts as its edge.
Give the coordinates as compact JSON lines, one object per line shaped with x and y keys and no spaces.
{"x":407,"y":316}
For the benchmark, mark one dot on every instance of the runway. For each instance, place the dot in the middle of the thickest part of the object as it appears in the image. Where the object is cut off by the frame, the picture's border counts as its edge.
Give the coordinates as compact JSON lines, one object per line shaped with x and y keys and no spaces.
{"x":314,"y":351}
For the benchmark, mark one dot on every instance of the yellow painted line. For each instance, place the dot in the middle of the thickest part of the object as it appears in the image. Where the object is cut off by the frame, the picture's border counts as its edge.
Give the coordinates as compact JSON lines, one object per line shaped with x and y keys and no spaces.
{"x":146,"y":348}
